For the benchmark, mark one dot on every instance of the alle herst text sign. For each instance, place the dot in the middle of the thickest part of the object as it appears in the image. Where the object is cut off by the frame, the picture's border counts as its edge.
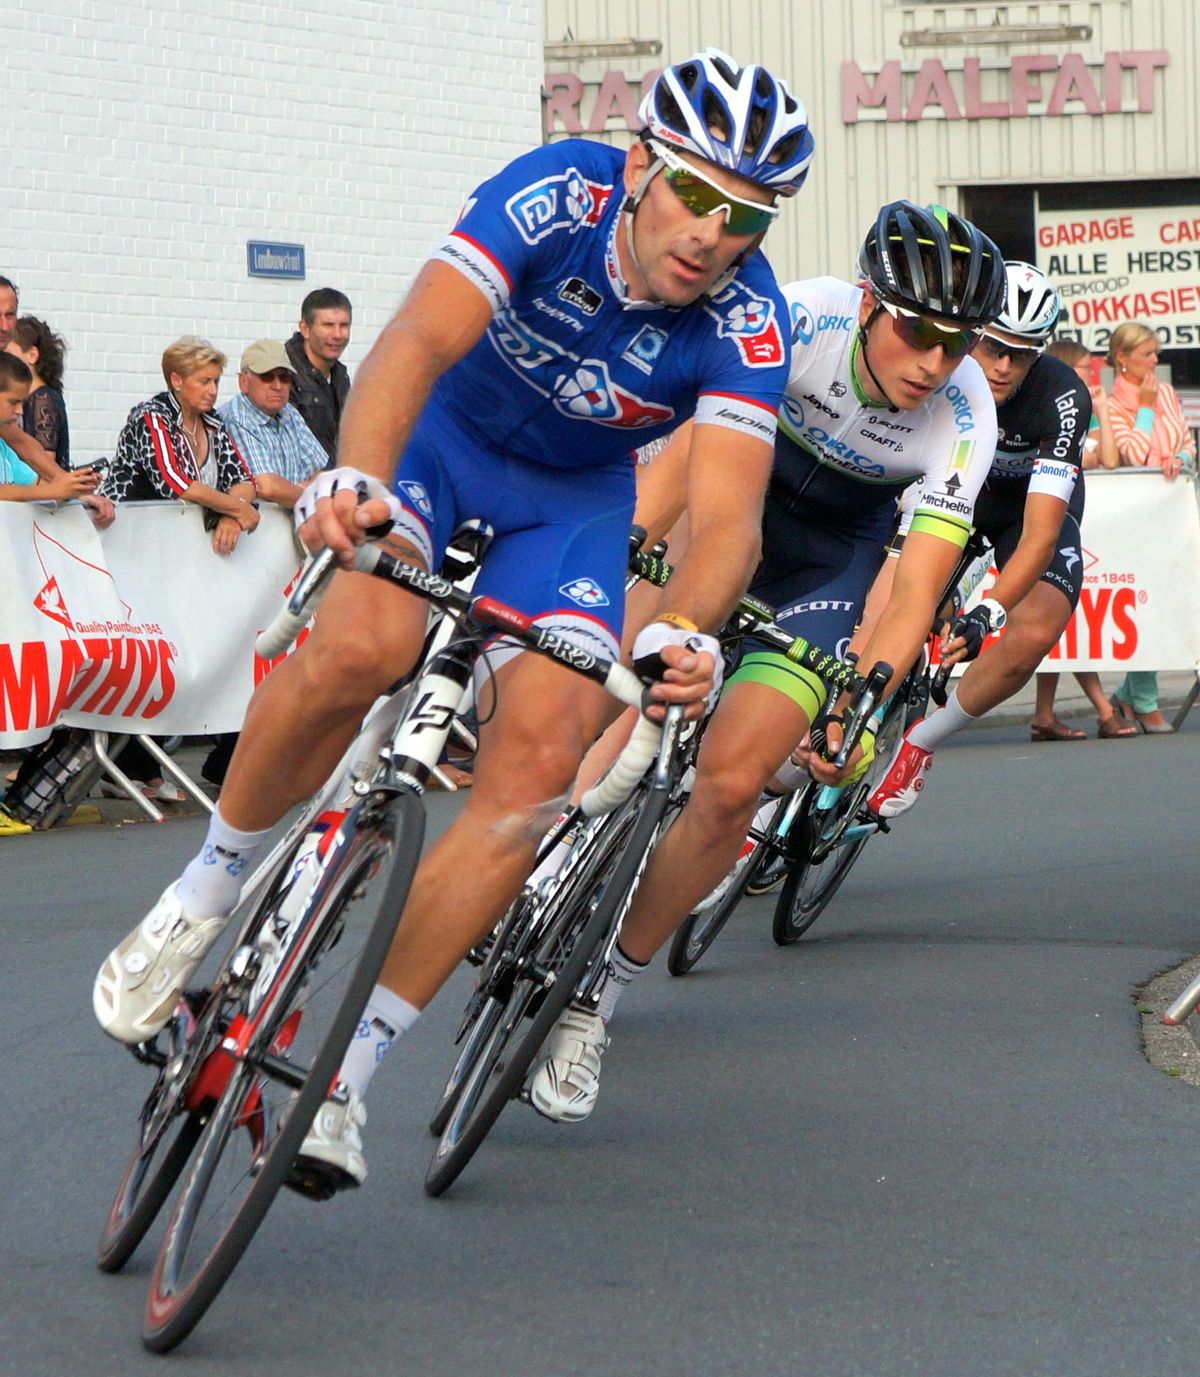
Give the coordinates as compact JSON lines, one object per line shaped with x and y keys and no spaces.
{"x":1112,"y":266}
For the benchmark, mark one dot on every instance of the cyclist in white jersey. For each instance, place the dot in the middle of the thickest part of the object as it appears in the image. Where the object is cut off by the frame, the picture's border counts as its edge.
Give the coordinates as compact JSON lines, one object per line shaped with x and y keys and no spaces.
{"x":880,"y":393}
{"x":1030,"y":509}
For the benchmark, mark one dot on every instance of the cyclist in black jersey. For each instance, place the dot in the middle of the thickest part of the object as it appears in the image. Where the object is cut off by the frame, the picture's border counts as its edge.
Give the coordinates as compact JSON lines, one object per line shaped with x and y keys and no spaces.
{"x":1029,"y":509}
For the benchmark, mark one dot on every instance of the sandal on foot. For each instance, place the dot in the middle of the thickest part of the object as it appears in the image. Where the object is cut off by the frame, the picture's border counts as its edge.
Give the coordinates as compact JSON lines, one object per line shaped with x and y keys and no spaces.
{"x":1055,"y":731}
{"x":1113,"y":726}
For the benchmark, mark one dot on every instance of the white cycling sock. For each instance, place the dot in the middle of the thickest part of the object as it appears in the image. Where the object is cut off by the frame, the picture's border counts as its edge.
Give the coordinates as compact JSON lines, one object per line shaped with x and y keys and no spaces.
{"x":384,"y":1019}
{"x":940,"y":725}
{"x":212,"y":883}
{"x":621,"y":973}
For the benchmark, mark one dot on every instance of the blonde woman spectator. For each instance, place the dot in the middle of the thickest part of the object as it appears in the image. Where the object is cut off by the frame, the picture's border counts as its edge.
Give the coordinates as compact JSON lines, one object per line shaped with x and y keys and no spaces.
{"x":1099,"y":451}
{"x":1151,"y":432}
{"x":176,"y":446}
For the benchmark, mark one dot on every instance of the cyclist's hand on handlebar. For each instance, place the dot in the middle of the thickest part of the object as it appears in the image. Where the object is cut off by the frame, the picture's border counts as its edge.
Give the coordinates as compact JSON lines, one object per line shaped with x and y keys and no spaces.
{"x":821,"y":767}
{"x":685,"y":667}
{"x":342,"y":508}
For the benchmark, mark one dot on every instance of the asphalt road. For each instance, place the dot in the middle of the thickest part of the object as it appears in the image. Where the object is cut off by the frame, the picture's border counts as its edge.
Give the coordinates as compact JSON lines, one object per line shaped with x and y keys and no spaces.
{"x":924,"y":1141}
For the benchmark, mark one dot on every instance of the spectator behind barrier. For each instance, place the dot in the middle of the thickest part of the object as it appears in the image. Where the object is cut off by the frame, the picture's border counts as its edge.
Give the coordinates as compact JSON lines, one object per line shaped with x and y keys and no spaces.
{"x":176,"y":446}
{"x":18,"y":482}
{"x":278,"y":448}
{"x":40,"y":460}
{"x":1151,"y":432}
{"x":45,"y":413}
{"x":1099,"y":451}
{"x":315,"y":351}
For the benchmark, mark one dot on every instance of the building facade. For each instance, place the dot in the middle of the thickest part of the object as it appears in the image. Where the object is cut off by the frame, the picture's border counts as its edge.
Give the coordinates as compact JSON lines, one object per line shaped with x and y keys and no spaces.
{"x":151,"y":146}
{"x":1067,"y":129}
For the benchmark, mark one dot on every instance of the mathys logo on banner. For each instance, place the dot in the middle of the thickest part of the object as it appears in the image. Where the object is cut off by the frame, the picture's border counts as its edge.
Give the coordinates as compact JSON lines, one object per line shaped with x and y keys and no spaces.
{"x":140,"y":628}
{"x":1114,"y":266}
{"x":1140,"y":603}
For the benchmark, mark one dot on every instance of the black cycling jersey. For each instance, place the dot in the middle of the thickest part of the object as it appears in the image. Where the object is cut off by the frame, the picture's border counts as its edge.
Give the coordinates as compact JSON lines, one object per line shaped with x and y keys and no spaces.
{"x":1043,"y":426}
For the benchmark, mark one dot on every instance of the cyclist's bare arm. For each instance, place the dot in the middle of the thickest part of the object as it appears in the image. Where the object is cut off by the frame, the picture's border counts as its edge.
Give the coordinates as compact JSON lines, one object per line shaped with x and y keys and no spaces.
{"x":441,"y":319}
{"x":662,"y":487}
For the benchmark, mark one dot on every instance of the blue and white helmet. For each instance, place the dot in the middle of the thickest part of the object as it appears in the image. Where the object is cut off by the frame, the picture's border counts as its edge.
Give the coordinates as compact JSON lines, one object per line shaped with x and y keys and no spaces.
{"x":764,"y":128}
{"x":1031,"y":303}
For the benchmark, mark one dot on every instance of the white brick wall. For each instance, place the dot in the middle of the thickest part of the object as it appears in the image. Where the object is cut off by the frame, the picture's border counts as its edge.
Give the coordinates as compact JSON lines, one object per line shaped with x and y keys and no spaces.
{"x":147,"y":142}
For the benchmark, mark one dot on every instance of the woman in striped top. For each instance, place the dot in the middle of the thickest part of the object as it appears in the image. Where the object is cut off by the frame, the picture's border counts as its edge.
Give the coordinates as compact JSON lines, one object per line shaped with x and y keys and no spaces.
{"x":1151,"y":432}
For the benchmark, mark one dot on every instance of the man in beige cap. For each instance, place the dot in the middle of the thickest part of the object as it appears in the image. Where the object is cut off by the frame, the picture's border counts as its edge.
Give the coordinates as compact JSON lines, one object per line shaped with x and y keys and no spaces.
{"x":279,"y":449}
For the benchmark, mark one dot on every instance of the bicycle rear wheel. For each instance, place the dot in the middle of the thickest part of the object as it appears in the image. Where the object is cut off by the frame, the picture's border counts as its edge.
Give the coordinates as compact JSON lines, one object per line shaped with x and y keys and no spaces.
{"x":294,"y":1023}
{"x":572,"y":935}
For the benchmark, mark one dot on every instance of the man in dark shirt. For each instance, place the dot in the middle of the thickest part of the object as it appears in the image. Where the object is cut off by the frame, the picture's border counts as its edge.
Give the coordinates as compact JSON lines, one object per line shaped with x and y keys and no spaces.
{"x":315,"y":351}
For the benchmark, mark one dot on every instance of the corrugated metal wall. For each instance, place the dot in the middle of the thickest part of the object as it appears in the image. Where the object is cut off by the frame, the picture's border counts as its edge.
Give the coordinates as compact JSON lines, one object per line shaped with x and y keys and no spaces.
{"x":860,"y":165}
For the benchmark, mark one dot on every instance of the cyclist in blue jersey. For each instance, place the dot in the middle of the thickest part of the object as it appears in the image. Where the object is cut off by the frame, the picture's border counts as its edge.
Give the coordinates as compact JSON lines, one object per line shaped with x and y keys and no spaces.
{"x":881,"y":394}
{"x":1030,"y":510}
{"x":587,"y":302}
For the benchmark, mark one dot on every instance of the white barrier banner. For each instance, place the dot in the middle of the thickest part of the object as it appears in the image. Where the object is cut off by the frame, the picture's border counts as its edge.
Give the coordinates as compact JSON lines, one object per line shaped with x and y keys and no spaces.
{"x":140,"y":628}
{"x":1140,"y":604}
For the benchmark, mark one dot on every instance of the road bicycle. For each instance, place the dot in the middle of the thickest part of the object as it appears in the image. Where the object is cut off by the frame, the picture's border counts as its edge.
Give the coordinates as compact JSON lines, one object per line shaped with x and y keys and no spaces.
{"x":245,"y":1063}
{"x":552,"y":946}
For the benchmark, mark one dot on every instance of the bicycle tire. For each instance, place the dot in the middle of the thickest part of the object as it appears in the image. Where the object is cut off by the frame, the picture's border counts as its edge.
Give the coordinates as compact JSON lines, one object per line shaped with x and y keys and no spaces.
{"x":814,"y":877}
{"x":700,"y":929}
{"x":481,"y":1028}
{"x":568,"y":945}
{"x":149,"y":1175}
{"x":382,"y":831}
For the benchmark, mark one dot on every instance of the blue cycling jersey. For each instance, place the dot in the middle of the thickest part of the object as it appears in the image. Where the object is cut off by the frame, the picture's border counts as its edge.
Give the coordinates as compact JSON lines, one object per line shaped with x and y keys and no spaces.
{"x":571,"y":372}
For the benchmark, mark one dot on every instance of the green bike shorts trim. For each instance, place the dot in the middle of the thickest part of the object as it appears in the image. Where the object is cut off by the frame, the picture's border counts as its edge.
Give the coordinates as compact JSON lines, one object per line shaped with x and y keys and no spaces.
{"x":802,"y":686}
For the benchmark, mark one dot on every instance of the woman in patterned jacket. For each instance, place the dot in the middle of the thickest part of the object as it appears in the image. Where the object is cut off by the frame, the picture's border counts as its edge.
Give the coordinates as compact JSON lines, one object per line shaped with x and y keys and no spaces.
{"x":175,"y":446}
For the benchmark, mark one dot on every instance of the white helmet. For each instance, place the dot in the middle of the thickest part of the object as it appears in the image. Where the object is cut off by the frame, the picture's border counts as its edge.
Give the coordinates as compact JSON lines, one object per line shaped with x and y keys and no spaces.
{"x":1031,"y":303}
{"x":764,"y":132}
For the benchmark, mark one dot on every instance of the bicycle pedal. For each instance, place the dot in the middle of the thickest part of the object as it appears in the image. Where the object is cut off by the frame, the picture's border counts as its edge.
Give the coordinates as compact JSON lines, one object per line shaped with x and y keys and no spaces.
{"x":317,"y":1180}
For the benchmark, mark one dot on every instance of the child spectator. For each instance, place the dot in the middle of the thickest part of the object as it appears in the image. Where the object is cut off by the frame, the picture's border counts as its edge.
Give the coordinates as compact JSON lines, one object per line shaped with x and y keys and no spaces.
{"x":18,"y":482}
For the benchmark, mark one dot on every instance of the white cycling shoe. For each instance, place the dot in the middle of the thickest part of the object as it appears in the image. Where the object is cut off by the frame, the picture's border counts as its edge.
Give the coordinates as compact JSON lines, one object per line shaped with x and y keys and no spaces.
{"x":331,"y":1157}
{"x":141,"y":980}
{"x":566,"y":1082}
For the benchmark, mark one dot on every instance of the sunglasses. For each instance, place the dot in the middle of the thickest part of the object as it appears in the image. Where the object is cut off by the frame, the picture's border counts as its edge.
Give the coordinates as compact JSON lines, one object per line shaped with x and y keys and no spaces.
{"x":703,"y":197}
{"x":278,"y":375}
{"x":1019,"y":353}
{"x":921,"y":333}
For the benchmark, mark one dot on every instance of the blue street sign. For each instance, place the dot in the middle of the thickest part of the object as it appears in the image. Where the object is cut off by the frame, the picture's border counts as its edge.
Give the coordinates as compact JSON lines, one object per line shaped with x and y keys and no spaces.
{"x":264,"y":259}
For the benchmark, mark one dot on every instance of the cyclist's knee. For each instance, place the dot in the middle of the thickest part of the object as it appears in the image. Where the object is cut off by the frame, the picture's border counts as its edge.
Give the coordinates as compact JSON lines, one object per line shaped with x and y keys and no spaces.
{"x":725,"y":794}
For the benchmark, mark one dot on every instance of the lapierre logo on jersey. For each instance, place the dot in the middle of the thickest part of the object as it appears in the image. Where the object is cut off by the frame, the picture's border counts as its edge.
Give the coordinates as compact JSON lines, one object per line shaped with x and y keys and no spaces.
{"x":645,"y":348}
{"x":567,"y":201}
{"x":586,"y":592}
{"x":580,"y":388}
{"x":576,"y":292}
{"x":750,"y":321}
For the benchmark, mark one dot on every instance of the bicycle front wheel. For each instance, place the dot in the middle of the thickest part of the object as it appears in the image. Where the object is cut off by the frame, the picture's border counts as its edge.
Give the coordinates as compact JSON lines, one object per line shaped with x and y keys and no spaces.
{"x":572,"y":935}
{"x":296,"y":1022}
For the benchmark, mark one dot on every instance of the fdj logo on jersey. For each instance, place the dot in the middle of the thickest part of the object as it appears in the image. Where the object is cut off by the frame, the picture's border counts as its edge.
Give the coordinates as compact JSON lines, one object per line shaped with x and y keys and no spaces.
{"x":567,"y":202}
{"x":586,"y":592}
{"x":750,"y":321}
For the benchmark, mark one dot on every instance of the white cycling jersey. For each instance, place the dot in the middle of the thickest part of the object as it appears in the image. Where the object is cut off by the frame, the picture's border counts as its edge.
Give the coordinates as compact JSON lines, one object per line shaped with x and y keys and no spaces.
{"x":946,"y":444}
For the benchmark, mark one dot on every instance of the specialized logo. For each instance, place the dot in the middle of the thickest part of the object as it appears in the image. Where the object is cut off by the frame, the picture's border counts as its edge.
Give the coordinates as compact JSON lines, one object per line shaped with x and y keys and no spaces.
{"x":1070,"y":557}
{"x":646,"y":347}
{"x":586,"y":592}
{"x":576,"y":292}
{"x":49,"y":602}
{"x":750,"y":321}
{"x":416,"y":494}
{"x":567,"y":201}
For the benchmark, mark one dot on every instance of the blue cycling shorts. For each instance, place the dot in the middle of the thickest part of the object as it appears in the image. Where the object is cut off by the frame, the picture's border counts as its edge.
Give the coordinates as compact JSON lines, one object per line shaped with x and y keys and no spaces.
{"x":561,"y":546}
